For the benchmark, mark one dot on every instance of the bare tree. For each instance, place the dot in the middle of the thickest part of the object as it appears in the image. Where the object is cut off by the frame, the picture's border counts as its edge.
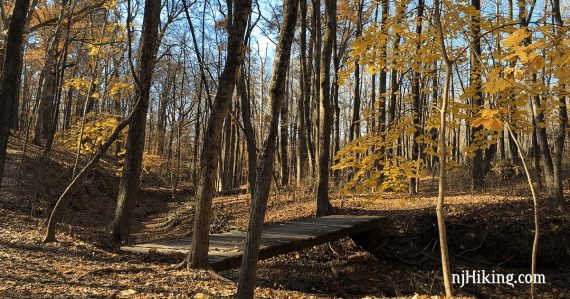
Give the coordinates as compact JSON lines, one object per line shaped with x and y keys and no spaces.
{"x":11,"y":72}
{"x":383,"y":74}
{"x":325,"y":112}
{"x":265,"y":162}
{"x":445,"y":263}
{"x":210,"y":153}
{"x":47,"y":97}
{"x":151,"y":20}
{"x":355,"y":124}
{"x":130,"y":178}
{"x":477,"y":167}
{"x":562,"y":127}
{"x":416,"y":99}
{"x":284,"y":139}
{"x":302,"y":102}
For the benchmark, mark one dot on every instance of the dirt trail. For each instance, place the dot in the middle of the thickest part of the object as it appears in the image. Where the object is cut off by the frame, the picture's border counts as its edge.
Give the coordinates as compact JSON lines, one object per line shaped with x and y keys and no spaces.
{"x":85,"y":264}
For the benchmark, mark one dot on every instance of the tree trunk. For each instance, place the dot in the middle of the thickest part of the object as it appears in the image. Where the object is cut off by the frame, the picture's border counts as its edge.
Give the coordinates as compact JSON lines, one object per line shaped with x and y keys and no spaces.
{"x":210,"y":153}
{"x":11,"y":71}
{"x":536,"y":211}
{"x":162,"y":107}
{"x":336,"y":107}
{"x":535,"y":154}
{"x":552,"y":179}
{"x":552,"y":186}
{"x":246,"y":283}
{"x":317,"y":53}
{"x":394,"y":83}
{"x":445,"y":263}
{"x":67,"y":110}
{"x":416,"y":99}
{"x":196,"y":140}
{"x":355,"y":124}
{"x":203,"y":84}
{"x":309,"y":96}
{"x":227,"y":157}
{"x":26,"y":101}
{"x":284,"y":140}
{"x":14,"y":117}
{"x":325,"y":112}
{"x":513,"y":149}
{"x":236,"y":151}
{"x":58,"y":88}
{"x":394,"y":80}
{"x":557,"y":195}
{"x":383,"y":75}
{"x":302,"y":150}
{"x":47,"y":96}
{"x":372,"y":87}
{"x":248,"y":130}
{"x":130,"y":178}
{"x":477,"y":167}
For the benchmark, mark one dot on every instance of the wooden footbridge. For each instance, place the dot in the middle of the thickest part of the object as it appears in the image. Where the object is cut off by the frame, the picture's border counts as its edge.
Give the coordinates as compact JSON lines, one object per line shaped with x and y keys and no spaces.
{"x":226,"y":249}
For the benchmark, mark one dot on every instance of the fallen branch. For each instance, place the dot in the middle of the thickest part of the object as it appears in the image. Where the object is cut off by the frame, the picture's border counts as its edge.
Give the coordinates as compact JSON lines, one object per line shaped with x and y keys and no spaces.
{"x":336,"y":250}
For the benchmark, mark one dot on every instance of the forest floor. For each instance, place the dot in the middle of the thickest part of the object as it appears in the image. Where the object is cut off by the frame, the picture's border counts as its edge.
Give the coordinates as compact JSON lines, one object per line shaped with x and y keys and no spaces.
{"x":85,"y":264}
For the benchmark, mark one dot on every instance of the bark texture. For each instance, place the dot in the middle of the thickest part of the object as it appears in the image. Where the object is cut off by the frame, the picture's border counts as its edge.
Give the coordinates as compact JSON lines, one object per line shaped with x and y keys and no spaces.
{"x":265,"y":163}
{"x":210,"y":152}
{"x":130,"y":178}
{"x":477,"y":165}
{"x":302,"y":102}
{"x":416,"y":100}
{"x":442,"y":154}
{"x":11,"y":72}
{"x":325,"y":112}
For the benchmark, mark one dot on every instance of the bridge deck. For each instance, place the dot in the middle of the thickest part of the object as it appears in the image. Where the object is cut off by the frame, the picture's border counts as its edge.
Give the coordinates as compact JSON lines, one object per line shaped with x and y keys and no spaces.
{"x":226,"y":249}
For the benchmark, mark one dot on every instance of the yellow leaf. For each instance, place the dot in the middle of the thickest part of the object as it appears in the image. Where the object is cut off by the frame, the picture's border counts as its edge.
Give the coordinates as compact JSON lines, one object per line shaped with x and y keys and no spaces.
{"x":477,"y":122}
{"x":496,"y":86}
{"x":110,"y":4}
{"x":516,"y":37}
{"x":537,"y":63}
{"x":496,"y":125}
{"x":488,"y":118}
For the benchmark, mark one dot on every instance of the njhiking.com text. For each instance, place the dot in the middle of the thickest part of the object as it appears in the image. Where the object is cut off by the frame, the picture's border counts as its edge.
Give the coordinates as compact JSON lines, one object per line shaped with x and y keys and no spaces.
{"x":484,"y":277}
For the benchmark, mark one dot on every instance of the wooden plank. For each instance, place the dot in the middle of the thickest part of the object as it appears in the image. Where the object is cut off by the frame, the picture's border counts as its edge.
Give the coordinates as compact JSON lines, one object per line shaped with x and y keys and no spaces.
{"x":226,"y":249}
